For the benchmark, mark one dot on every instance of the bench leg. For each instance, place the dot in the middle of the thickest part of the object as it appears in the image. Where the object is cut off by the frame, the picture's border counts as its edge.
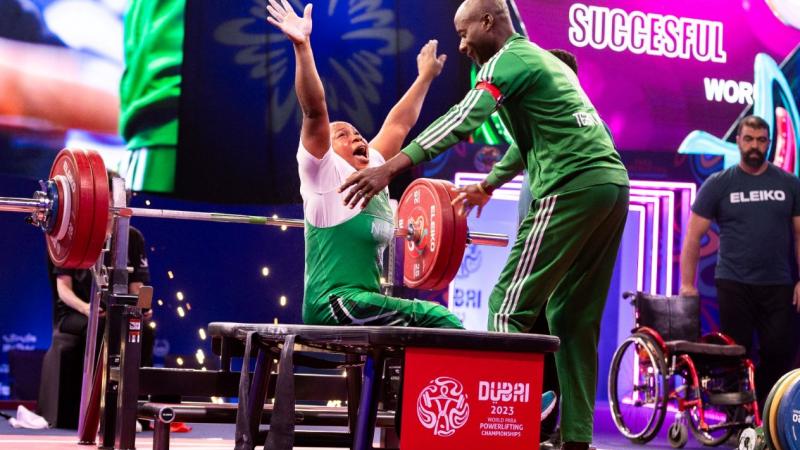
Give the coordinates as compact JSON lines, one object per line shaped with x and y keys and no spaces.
{"x":353,"y":389}
{"x":368,"y":408}
{"x":161,"y":435}
{"x":258,"y":388}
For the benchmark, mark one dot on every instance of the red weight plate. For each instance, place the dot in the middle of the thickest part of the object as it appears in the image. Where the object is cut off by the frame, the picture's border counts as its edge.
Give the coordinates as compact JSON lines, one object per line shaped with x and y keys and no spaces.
{"x":447,"y":250}
{"x":422,"y":204}
{"x":69,"y":250}
{"x":414,"y":209}
{"x":436,"y":281}
{"x":459,"y":238}
{"x":101,"y":204}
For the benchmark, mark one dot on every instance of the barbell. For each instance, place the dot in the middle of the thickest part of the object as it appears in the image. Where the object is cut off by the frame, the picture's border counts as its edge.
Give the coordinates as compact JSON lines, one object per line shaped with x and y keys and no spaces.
{"x":780,"y":426}
{"x":73,"y":209}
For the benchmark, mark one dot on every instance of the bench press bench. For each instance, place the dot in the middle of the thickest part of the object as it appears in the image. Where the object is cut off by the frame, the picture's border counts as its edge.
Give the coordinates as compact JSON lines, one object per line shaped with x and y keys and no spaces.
{"x":460,"y":389}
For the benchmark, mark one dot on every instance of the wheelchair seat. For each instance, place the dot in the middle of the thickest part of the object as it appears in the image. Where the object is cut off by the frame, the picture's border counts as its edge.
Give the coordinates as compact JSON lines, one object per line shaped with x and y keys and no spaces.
{"x":696,"y":348}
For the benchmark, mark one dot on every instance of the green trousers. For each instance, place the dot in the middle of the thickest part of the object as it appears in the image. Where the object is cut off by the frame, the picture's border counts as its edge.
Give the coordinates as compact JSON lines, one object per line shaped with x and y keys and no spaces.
{"x":358,"y":307}
{"x":564,"y":257}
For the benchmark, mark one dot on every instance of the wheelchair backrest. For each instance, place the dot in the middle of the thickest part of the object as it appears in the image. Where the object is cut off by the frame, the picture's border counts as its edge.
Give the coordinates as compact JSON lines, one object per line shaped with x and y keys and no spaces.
{"x":674,"y":317}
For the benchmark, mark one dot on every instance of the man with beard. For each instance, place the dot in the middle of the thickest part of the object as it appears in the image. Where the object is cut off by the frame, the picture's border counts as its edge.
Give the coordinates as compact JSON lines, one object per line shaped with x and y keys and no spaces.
{"x":755,"y":205}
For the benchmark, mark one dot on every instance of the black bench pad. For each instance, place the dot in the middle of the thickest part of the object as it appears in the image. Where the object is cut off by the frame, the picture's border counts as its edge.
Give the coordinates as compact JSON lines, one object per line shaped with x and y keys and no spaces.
{"x":351,"y":338}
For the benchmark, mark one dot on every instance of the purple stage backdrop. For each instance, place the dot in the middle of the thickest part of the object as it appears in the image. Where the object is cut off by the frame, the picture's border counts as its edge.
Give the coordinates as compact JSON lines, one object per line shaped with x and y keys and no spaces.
{"x":658,"y":70}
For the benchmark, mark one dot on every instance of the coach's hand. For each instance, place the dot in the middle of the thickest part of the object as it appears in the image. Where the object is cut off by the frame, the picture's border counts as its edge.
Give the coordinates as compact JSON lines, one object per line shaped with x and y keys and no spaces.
{"x":366,"y":183}
{"x":470,"y":197}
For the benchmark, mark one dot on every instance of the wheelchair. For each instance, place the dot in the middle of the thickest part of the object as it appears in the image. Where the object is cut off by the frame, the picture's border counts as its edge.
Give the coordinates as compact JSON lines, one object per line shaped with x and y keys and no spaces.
{"x":665,"y":366}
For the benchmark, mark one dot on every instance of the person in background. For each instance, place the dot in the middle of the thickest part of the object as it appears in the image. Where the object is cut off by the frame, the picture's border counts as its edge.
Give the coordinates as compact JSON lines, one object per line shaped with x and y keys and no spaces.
{"x":757,"y":290}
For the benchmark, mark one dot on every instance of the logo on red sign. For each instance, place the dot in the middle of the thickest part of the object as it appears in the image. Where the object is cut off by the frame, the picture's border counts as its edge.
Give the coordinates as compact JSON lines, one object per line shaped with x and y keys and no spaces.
{"x":442,"y":406}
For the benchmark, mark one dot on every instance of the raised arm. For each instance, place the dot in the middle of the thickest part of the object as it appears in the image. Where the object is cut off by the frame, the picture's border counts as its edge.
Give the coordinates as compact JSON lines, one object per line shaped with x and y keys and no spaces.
{"x":501,"y":77}
{"x":405,"y":113}
{"x":315,"y":132}
{"x":690,"y":254}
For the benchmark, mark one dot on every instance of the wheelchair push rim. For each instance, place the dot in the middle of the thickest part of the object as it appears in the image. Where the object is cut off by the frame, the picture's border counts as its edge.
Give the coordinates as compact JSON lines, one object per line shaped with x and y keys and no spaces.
{"x":637,"y":389}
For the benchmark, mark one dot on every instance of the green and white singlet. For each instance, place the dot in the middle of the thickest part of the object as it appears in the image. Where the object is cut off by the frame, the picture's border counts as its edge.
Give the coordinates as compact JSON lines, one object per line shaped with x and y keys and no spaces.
{"x":344,"y":250}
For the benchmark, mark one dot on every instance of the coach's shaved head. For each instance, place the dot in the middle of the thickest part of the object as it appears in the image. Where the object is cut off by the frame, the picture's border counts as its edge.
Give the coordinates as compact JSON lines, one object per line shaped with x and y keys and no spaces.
{"x":483,"y":26}
{"x":497,"y":8}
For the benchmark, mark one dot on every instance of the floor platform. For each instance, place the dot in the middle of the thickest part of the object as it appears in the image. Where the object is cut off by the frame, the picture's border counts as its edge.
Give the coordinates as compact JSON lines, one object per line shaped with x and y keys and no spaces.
{"x":220,"y":437}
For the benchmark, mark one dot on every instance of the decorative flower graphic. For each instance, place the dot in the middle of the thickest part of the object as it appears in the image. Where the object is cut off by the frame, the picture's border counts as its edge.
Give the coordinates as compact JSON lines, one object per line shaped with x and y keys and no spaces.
{"x":442,"y":406}
{"x":362,"y":34}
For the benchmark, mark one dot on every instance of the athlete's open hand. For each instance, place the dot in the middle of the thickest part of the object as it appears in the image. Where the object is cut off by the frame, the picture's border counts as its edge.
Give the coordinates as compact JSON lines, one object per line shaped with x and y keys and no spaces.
{"x":281,"y":14}
{"x":428,"y":64}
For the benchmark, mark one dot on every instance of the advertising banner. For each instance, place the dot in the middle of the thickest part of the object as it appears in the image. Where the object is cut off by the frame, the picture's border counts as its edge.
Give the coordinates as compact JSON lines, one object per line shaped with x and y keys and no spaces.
{"x":466,"y":400}
{"x":657,"y":71}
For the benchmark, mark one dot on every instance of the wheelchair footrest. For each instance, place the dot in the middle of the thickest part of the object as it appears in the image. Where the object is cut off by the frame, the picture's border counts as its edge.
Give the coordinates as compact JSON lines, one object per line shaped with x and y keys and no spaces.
{"x":727,"y":425}
{"x":731,"y":398}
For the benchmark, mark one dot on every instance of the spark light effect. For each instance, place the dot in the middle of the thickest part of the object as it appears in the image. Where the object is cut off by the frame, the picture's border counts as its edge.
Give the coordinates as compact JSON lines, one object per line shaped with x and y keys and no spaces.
{"x":200,"y":356}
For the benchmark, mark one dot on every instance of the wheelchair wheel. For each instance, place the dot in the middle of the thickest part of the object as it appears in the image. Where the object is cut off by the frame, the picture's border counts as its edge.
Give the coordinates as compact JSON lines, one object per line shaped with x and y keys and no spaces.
{"x":678,"y":436}
{"x":637,"y":388}
{"x":717,"y":417}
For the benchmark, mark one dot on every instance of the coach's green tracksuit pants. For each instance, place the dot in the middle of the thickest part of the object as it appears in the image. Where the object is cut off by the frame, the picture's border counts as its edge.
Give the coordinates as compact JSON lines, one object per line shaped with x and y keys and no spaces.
{"x":564,"y":257}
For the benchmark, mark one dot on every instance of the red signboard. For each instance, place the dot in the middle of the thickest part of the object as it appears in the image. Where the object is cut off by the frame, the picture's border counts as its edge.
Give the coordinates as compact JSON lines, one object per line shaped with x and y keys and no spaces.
{"x":471,"y":400}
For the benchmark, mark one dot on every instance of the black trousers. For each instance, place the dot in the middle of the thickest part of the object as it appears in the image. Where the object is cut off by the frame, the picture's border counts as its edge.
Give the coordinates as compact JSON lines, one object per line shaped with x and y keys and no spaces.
{"x":77,"y":324}
{"x":746,"y":310}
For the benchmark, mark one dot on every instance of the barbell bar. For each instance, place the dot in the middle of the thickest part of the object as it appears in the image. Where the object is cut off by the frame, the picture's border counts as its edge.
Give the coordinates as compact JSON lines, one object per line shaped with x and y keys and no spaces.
{"x":72,"y":208}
